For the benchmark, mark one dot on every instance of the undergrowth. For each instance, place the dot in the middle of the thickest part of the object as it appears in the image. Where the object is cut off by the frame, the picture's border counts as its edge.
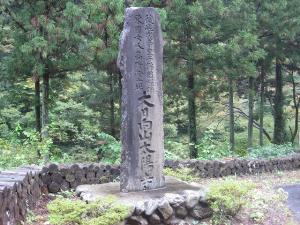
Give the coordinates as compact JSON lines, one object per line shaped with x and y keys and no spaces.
{"x":105,"y":211}
{"x":226,"y":198}
{"x":185,"y":174}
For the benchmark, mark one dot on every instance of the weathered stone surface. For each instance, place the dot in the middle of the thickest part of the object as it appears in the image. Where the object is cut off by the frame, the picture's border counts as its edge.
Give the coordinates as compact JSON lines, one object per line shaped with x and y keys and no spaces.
{"x":140,"y":61}
{"x":139,"y":208}
{"x":165,"y":209}
{"x":201,"y":212}
{"x":150,"y":207}
{"x":173,"y":185}
{"x":181,"y":212}
{"x":54,"y":187}
{"x":154,"y":219}
{"x":178,"y":222}
{"x":192,"y":198}
{"x":53,"y":168}
{"x":137,"y":220}
{"x":175,"y":200}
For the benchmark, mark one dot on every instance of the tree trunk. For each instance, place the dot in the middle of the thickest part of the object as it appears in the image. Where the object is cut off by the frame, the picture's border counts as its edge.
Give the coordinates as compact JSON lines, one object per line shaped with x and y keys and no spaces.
{"x":262,"y":105}
{"x":296,"y":106}
{"x":231,"y":116}
{"x":279,"y":135}
{"x":37,"y":106}
{"x":120,"y":92}
{"x":191,"y":96}
{"x":112,"y":106}
{"x":45,"y":104}
{"x":250,"y":106}
{"x":192,"y":116}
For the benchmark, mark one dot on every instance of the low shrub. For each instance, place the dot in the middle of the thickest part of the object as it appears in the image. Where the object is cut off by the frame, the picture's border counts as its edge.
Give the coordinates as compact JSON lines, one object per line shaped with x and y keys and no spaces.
{"x":176,"y":150}
{"x":185,"y":174}
{"x":30,"y":150}
{"x":105,"y":211}
{"x":211,"y":147}
{"x":271,"y":151}
{"x":109,"y":149}
{"x":226,"y":198}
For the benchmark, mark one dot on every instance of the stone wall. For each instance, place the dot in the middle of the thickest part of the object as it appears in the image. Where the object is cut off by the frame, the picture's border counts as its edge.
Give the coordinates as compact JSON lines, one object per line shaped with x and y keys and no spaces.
{"x":172,"y":209}
{"x":218,"y":168}
{"x":21,"y":188}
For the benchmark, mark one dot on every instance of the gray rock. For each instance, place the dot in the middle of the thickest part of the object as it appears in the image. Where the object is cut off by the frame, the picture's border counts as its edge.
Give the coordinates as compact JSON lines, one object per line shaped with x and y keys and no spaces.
{"x":165,"y":209}
{"x":192,"y":198}
{"x":137,"y":220}
{"x":175,"y":221}
{"x":150,"y":206}
{"x":181,"y":212}
{"x":201,"y":212}
{"x":139,"y":208}
{"x":54,"y":187}
{"x":141,"y":63}
{"x":202,"y":196}
{"x":154,"y":219}
{"x":175,"y":200}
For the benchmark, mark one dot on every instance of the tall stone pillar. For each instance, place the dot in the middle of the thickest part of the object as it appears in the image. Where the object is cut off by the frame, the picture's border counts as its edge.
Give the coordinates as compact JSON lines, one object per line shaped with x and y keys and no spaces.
{"x":141,"y":63}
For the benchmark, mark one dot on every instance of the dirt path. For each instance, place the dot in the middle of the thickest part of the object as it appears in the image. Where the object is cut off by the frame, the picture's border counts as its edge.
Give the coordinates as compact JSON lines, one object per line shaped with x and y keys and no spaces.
{"x":293,"y":201}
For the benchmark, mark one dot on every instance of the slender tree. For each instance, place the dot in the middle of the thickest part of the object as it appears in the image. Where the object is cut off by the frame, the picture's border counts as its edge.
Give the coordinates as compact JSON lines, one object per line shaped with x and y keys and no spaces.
{"x":231,"y":115}
{"x":279,"y":135}
{"x":251,"y":93}
{"x":262,"y":103}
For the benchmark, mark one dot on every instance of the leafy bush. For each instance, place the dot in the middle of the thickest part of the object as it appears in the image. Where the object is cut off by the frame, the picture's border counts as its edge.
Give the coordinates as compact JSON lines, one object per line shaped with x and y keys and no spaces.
{"x":171,"y":156}
{"x":241,"y":145}
{"x":170,"y":130}
{"x":271,"y":151}
{"x":26,"y":150}
{"x":226,"y":198}
{"x":109,"y":150}
{"x":176,"y":150}
{"x":210,"y":147}
{"x":104,"y":211}
{"x":185,"y":174}
{"x":74,"y":123}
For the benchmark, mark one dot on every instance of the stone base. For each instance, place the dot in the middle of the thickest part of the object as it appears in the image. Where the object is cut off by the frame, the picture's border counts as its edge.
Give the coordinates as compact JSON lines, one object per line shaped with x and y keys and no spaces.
{"x":90,"y":192}
{"x":176,"y":204}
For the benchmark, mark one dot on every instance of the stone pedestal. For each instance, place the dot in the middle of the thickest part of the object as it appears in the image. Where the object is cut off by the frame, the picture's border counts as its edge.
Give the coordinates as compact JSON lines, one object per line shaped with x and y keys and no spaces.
{"x":90,"y":192}
{"x":178,"y":203}
{"x":141,"y":62}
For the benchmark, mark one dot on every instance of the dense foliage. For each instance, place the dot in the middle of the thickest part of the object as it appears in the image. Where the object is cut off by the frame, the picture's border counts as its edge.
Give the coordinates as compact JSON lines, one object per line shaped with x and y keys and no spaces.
{"x":231,"y":79}
{"x":104,"y":211}
{"x":226,"y":198}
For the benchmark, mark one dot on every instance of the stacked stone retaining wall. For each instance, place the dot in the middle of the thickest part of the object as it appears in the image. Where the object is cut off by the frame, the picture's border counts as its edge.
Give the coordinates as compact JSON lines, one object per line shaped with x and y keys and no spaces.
{"x":221,"y":168}
{"x":21,"y":188}
{"x":172,"y":209}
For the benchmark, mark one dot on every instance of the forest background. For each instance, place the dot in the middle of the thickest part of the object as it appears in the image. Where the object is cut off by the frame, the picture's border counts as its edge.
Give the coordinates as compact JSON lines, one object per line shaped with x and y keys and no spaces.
{"x":231,"y":79}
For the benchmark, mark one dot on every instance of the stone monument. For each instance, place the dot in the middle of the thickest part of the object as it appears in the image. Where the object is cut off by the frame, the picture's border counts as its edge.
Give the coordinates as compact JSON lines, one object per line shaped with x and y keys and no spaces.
{"x":141,"y":63}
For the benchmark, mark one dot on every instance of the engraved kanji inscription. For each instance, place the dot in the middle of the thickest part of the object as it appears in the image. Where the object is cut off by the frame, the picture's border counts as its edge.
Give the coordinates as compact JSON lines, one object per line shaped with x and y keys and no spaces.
{"x":140,"y":61}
